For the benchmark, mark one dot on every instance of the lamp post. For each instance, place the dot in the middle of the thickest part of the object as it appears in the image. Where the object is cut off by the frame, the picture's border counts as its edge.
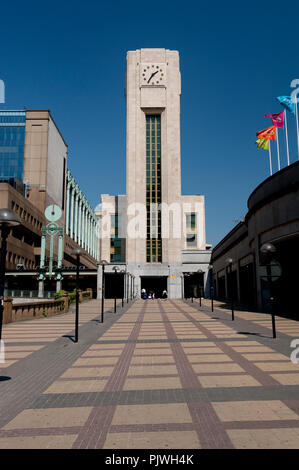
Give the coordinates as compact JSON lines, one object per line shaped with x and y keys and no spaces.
{"x":8,"y":219}
{"x":211,"y":286}
{"x":103,"y":262}
{"x":128,"y":285}
{"x":123,"y":271}
{"x":77,"y":252}
{"x":200,"y":271}
{"x":229,"y":262}
{"x":133,"y":286}
{"x":115,"y":269}
{"x":268,"y":249}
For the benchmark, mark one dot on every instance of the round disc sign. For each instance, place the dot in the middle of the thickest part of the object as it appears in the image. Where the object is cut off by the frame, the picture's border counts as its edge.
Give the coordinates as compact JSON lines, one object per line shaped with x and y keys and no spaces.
{"x":53,"y":213}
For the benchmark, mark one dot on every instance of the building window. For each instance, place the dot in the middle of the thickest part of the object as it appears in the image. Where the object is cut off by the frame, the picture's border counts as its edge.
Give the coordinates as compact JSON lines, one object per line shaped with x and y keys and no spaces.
{"x":12,"y":144}
{"x":115,"y":241}
{"x":153,"y":189}
{"x":191,"y":230}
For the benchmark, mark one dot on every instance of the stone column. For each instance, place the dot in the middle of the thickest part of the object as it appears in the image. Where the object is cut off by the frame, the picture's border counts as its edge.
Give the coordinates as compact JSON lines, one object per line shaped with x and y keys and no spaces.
{"x":41,"y":285}
{"x":79,"y":224}
{"x":67,"y":209}
{"x":7,"y":310}
{"x":89,"y":238}
{"x":71,"y":234}
{"x":76,"y":217}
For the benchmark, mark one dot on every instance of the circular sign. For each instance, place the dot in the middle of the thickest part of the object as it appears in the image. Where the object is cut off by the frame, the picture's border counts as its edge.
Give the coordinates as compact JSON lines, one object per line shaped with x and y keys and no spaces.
{"x":53,"y":213}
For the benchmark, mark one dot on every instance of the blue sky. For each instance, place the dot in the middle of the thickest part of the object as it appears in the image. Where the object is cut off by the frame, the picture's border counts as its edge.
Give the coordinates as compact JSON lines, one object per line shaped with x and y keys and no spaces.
{"x":235,"y":59}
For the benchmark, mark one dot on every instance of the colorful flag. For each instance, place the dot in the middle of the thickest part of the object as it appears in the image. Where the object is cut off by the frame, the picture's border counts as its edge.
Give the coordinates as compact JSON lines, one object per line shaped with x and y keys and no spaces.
{"x":277,"y":119}
{"x":263,"y":144}
{"x":269,"y":133}
{"x":287,"y":102}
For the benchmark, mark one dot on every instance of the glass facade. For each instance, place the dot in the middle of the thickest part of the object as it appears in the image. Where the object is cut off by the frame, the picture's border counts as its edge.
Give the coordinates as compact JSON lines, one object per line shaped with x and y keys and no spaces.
{"x":115,"y":241}
{"x":153,"y":189}
{"x":12,"y":145}
{"x":191,"y":230}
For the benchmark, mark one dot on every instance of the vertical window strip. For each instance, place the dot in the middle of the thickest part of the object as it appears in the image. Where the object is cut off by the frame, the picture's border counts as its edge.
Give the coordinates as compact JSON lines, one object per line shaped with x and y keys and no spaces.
{"x":153,"y":188}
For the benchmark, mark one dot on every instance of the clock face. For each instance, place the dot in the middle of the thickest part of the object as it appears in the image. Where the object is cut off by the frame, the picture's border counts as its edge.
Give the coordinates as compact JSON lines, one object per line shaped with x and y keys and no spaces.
{"x":53,"y":213}
{"x":152,"y":74}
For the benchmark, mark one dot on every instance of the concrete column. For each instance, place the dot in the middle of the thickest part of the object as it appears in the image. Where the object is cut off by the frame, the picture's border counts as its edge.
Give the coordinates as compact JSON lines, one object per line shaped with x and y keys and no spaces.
{"x":76,"y":217}
{"x":85,"y":228}
{"x":41,"y":288}
{"x":58,"y":286}
{"x":67,"y":216}
{"x":83,"y":225}
{"x":80,"y":222}
{"x":72,"y":213}
{"x":92,"y":237}
{"x":89,"y":232}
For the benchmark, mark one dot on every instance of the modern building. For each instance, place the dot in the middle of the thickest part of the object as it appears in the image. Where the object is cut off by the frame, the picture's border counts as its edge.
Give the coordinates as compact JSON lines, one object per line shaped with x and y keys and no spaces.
{"x":154,"y":232}
{"x":272,"y":217}
{"x":34,"y":175}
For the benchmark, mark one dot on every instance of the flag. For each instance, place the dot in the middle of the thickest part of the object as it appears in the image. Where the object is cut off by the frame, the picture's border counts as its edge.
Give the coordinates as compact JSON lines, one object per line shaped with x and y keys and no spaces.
{"x":269,"y":133}
{"x":263,"y":144}
{"x":277,"y":119}
{"x":287,"y":102}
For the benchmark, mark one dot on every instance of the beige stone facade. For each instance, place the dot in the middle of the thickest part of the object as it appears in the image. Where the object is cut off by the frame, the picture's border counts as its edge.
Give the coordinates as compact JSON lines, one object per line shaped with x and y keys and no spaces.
{"x":153,"y":89}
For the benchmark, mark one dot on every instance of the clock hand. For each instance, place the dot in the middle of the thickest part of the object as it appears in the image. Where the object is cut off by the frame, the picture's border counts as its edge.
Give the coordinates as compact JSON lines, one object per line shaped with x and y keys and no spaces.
{"x":152,"y":76}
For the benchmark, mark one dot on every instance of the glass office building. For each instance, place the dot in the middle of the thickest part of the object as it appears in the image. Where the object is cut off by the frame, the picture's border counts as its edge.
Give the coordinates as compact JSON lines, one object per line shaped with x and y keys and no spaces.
{"x":12,"y":144}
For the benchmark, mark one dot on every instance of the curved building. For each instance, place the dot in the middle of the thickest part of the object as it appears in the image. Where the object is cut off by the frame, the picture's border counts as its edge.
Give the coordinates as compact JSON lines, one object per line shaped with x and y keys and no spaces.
{"x":273,"y":216}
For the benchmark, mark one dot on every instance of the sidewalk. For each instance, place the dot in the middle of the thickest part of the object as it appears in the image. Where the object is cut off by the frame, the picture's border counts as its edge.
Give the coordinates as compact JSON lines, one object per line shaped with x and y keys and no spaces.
{"x":156,"y":375}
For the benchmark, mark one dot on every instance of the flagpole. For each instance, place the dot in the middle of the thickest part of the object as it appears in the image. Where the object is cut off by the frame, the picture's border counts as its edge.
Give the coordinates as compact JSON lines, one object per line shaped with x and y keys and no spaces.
{"x":297,"y":125}
{"x":278,"y":157}
{"x":270,"y":157}
{"x":287,"y":139}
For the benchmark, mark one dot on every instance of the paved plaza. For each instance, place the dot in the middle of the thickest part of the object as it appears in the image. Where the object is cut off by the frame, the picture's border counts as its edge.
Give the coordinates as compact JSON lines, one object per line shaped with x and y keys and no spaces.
{"x":155,"y":375}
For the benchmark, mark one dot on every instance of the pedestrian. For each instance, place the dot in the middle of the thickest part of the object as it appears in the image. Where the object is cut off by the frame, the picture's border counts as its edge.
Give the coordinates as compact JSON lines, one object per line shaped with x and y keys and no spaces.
{"x":153,"y":296}
{"x":164,"y":295}
{"x":143,"y":293}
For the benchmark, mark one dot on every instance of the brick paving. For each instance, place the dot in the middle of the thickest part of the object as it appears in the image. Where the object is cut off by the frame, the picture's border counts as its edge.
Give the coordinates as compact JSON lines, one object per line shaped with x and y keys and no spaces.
{"x":155,"y":375}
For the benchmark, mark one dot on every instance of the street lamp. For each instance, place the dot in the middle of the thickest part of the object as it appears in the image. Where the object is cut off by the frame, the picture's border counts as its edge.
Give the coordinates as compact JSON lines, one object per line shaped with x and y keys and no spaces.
{"x":103,"y":262}
{"x":268,"y":249}
{"x":128,"y":285}
{"x":77,"y":252}
{"x":229,"y":262}
{"x":123,"y":271}
{"x":132,"y":286}
{"x":200,"y":271}
{"x":8,"y":219}
{"x":210,"y":267}
{"x":115,"y":269}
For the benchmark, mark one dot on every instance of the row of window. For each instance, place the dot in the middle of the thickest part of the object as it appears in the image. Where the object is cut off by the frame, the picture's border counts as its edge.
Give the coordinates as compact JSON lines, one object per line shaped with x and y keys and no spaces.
{"x":15,"y":259}
{"x":26,"y":216}
{"x":153,"y":188}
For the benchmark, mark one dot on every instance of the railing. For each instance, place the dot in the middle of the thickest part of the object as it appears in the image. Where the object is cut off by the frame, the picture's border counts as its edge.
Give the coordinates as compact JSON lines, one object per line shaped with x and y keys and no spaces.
{"x":27,"y":293}
{"x":40,"y":308}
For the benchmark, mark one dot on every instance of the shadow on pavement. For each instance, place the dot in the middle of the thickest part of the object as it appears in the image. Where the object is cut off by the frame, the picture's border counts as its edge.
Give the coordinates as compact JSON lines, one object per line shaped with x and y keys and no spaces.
{"x":253,"y":334}
{"x":4,"y":378}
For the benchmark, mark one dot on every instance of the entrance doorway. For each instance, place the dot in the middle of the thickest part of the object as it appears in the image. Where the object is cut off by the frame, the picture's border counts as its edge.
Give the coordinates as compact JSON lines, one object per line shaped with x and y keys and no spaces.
{"x":193,"y":285}
{"x":156,"y":284}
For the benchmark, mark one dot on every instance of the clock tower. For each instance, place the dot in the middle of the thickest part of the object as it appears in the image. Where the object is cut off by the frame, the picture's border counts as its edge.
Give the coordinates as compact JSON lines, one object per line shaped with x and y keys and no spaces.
{"x":154,"y":235}
{"x":153,"y":88}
